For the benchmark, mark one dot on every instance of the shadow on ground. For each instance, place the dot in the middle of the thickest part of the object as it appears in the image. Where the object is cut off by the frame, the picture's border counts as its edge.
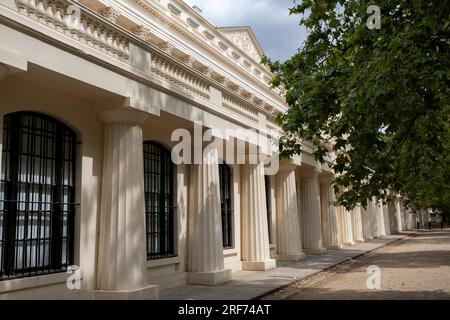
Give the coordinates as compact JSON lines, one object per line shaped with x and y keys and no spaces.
{"x":327,"y":294}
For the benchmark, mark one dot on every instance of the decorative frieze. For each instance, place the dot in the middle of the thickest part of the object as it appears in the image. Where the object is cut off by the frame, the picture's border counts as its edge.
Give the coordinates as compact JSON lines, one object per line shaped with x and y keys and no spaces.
{"x":83,"y":26}
{"x":238,"y":108}
{"x":206,"y":71}
{"x":110,"y":14}
{"x":169,"y":71}
{"x":166,"y":46}
{"x":142,"y":32}
{"x":76,"y":23}
{"x":214,"y":38}
{"x":189,"y":60}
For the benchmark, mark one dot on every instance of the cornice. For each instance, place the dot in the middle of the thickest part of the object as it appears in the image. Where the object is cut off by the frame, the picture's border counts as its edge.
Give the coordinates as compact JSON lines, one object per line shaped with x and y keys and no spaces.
{"x":157,"y":10}
{"x":21,"y":21}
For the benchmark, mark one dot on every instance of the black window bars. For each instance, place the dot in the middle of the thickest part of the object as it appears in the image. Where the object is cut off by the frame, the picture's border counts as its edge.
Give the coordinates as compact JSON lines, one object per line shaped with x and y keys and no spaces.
{"x":159,"y":209}
{"x":37,"y":195}
{"x":226,"y":205}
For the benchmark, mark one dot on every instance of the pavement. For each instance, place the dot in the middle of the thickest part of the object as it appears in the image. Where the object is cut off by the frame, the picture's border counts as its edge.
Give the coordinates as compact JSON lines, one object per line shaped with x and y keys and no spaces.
{"x":416,"y":268}
{"x":247,"y":285}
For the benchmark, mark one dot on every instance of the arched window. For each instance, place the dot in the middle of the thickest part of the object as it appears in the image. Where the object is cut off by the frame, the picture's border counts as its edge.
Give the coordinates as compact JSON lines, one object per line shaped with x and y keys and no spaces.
{"x":226,"y":205}
{"x":158,"y":188}
{"x":37,"y":195}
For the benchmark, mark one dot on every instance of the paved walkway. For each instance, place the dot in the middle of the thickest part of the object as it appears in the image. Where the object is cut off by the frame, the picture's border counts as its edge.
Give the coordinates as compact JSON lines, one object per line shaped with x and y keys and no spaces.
{"x":414,"y":268}
{"x":249,"y":284}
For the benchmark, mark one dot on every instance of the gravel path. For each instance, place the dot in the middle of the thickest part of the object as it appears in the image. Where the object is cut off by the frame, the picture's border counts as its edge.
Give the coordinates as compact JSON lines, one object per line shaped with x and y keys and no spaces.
{"x":415,"y":268}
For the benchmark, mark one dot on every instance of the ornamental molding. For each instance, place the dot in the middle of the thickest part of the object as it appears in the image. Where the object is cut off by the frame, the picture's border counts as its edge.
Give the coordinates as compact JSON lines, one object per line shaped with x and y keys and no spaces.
{"x":244,"y":38}
{"x":110,"y":14}
{"x":184,"y":72}
{"x":211,"y":39}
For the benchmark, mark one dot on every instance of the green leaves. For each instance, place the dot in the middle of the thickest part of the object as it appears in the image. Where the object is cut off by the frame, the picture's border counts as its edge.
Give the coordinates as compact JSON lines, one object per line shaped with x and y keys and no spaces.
{"x":382,"y":96}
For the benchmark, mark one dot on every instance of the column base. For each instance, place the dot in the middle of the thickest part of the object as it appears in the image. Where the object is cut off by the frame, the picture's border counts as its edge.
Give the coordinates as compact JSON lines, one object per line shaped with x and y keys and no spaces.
{"x":291,"y":257}
{"x":259,"y":265}
{"x":360,"y":241}
{"x":335,"y":247}
{"x":349,"y":244}
{"x":212,"y":278}
{"x":365,"y":239}
{"x":147,"y":293}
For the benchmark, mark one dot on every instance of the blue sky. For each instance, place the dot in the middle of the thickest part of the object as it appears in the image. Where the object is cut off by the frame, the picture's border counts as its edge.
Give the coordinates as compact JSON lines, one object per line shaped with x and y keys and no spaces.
{"x":278,"y":33}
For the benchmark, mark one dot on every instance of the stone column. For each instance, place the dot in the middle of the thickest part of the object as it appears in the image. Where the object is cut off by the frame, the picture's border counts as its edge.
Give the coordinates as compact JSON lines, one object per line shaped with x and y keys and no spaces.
{"x":366,"y":221}
{"x":289,"y":244}
{"x":330,"y":226}
{"x":357,"y":224}
{"x":255,"y":235}
{"x":387,"y":223}
{"x":348,"y":228}
{"x":409,"y":214}
{"x":380,"y":216}
{"x":375,"y":218}
{"x":398,"y":214}
{"x":205,"y":255}
{"x":122,"y":256}
{"x":312,"y":228}
{"x":340,"y":216}
{"x":423,"y":216}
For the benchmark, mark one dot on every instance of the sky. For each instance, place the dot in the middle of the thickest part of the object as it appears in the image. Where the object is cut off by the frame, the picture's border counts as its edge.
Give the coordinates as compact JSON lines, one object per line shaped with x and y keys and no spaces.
{"x":278,"y":33}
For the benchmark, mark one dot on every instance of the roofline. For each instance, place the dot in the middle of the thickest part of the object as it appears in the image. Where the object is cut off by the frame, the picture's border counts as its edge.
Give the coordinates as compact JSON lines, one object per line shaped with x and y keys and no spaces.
{"x":250,"y":31}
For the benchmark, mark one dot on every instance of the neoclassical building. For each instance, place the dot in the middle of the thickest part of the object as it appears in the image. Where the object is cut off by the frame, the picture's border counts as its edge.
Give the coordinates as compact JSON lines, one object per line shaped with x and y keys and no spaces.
{"x":92,"y":95}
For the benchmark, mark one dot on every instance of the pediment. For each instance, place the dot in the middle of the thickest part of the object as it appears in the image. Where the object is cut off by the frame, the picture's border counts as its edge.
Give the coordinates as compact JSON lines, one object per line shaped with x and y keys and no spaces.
{"x":245,"y":39}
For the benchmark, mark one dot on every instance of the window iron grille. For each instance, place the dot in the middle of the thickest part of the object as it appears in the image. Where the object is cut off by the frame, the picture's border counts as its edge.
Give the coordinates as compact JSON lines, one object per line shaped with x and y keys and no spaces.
{"x":159,"y":208}
{"x":37,"y":196}
{"x":226,"y":205}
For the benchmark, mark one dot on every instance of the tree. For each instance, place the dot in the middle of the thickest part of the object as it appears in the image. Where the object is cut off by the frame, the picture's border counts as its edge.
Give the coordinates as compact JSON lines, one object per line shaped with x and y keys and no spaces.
{"x":378,"y":100}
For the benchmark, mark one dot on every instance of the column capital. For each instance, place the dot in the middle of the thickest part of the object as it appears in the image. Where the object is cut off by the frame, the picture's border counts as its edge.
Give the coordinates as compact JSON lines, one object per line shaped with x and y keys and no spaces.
{"x":326,"y":179}
{"x":123,"y":115}
{"x":287,"y":165}
{"x":311,"y":174}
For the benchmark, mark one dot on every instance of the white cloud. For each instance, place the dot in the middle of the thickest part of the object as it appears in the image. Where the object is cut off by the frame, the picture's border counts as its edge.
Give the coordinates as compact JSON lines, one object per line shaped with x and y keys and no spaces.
{"x":279,"y":34}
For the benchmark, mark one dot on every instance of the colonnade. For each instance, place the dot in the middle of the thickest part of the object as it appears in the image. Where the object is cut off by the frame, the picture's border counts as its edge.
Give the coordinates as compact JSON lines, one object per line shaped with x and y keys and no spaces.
{"x":307,"y":221}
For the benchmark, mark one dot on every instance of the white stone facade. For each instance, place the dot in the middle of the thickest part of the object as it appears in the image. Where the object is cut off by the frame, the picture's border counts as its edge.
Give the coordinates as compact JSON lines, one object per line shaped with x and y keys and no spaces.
{"x":121,"y":73}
